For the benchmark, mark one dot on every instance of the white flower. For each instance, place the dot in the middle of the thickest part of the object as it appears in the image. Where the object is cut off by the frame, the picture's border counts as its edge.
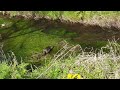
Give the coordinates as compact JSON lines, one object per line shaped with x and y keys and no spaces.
{"x":2,"y":25}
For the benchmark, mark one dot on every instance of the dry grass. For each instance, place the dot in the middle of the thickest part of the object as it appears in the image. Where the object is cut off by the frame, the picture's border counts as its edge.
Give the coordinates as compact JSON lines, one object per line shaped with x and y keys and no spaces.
{"x":104,"y":21}
{"x":104,"y":64}
{"x":102,"y":18}
{"x":90,"y":65}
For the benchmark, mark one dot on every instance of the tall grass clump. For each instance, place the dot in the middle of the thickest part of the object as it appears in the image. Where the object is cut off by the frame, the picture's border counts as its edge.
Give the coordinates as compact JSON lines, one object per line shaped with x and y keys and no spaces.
{"x":9,"y":66}
{"x":104,"y":64}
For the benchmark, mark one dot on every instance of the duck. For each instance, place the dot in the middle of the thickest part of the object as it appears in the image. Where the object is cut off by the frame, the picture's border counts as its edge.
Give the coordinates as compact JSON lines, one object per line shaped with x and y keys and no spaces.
{"x":47,"y":50}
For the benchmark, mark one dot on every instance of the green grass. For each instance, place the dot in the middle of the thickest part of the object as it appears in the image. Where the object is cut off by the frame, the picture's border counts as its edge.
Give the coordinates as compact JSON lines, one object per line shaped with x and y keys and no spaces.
{"x":73,"y":15}
{"x":8,"y":71}
{"x":94,"y":45}
{"x":101,"y":18}
{"x":71,"y":58}
{"x":89,"y":65}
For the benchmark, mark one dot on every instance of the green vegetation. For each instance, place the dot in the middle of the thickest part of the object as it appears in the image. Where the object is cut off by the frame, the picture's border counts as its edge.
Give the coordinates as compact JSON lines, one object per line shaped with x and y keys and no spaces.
{"x":89,"y":65}
{"x":26,"y":39}
{"x":27,"y":44}
{"x":101,"y":18}
{"x":85,"y":53}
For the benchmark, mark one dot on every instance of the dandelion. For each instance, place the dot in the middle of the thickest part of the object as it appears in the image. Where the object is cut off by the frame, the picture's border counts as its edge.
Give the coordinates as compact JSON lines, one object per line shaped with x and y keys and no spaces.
{"x":74,"y":76}
{"x":69,"y":76}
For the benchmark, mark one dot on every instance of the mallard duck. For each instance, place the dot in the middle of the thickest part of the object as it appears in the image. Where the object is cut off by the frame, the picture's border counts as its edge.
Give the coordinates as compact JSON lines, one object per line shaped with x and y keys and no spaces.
{"x":47,"y":50}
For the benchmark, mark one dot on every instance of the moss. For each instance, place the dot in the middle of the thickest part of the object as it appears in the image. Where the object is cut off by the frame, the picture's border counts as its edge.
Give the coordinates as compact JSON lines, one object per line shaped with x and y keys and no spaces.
{"x":24,"y":45}
{"x":25,"y":39}
{"x":95,"y":45}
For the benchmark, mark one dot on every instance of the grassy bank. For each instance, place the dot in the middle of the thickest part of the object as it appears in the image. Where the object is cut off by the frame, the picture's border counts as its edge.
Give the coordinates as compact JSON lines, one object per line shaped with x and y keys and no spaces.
{"x":24,"y":38}
{"x":68,"y":60}
{"x":101,"y":18}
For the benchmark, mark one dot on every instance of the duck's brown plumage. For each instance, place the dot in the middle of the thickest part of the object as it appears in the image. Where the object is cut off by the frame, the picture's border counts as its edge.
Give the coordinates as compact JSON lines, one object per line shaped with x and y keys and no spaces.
{"x":48,"y":50}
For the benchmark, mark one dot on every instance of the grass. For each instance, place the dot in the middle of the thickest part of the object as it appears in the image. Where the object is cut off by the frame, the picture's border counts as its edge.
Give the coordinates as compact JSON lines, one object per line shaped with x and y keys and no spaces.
{"x":65,"y":59}
{"x":69,"y":59}
{"x":101,"y":18}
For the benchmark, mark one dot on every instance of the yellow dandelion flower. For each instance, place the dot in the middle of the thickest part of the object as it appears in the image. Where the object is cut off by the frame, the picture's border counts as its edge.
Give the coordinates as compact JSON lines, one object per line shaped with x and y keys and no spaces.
{"x":74,"y":76}
{"x":69,"y":76}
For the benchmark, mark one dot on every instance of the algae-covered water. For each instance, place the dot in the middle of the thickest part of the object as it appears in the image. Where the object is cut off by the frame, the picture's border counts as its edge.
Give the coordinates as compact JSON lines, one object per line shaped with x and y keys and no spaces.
{"x":25,"y":37}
